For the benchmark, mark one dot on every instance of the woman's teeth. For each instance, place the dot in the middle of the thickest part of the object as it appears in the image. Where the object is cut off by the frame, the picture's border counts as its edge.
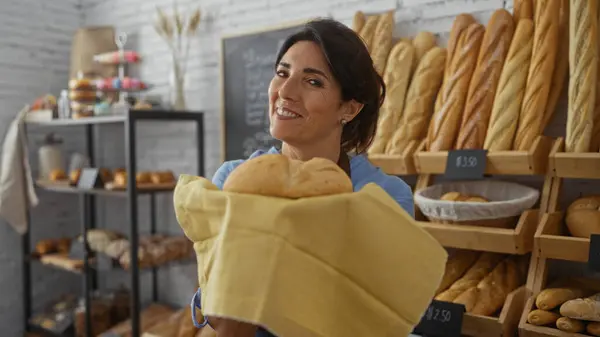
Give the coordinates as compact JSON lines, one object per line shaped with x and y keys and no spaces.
{"x":286,"y":113}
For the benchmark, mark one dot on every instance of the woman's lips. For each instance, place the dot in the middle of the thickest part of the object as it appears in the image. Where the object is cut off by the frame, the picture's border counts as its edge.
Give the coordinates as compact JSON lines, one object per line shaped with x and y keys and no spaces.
{"x":286,"y":114}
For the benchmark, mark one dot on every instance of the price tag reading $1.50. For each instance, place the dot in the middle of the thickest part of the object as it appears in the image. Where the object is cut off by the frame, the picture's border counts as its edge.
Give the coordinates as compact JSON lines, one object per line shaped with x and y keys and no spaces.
{"x":441,"y":319}
{"x":466,"y":164}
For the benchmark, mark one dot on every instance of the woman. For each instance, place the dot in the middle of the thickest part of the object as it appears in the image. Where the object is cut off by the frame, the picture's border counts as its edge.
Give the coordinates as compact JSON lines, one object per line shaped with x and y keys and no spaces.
{"x":324,"y":101}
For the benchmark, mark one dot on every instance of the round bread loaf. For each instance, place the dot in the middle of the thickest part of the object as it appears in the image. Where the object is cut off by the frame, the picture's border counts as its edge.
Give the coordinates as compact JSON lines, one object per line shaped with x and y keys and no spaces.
{"x":583,"y":217}
{"x":278,"y":176}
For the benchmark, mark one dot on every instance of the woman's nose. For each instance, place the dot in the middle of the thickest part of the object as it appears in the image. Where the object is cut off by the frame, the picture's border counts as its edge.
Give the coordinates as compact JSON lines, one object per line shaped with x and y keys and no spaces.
{"x":289,"y":89}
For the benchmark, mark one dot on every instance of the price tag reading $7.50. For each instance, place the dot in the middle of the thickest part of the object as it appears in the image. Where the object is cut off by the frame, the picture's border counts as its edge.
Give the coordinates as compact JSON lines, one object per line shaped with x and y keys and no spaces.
{"x":466,"y":164}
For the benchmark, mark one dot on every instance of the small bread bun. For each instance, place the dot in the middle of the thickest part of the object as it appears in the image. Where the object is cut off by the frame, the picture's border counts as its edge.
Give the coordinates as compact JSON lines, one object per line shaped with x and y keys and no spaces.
{"x":120,"y":178}
{"x":143,"y":178}
{"x":450,"y":196}
{"x":278,"y":176}
{"x":58,"y":175}
{"x":81,"y":84}
{"x":583,"y":217}
{"x":82,"y":96}
{"x":162,"y":177}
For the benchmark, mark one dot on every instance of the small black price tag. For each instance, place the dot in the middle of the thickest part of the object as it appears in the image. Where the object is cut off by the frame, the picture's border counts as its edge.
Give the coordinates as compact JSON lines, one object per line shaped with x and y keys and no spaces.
{"x":90,"y":178}
{"x":466,"y":164}
{"x":442,"y":319}
{"x":594,"y":254}
{"x":77,"y":250}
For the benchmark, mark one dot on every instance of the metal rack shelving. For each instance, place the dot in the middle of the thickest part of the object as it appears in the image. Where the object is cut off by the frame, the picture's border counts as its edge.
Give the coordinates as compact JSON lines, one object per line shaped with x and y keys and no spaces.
{"x":87,"y":204}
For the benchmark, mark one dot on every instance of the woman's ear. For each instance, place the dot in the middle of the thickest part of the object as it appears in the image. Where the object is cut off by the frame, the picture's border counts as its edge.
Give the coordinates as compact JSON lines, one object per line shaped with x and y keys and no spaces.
{"x":351,"y":110}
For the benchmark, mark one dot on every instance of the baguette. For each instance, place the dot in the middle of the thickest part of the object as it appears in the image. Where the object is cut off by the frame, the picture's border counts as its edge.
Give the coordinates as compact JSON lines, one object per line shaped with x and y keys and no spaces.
{"x":587,"y":309}
{"x":545,"y":46}
{"x":570,"y":325}
{"x":423,"y":42}
{"x":593,"y":328}
{"x":419,"y":100}
{"x":358,"y":22}
{"x":583,"y":73}
{"x":482,"y":267}
{"x":460,"y":24}
{"x":523,"y":10}
{"x":382,"y":41}
{"x":445,"y":121}
{"x":494,"y":289}
{"x":551,"y":298}
{"x":561,"y":69}
{"x":482,"y":89}
{"x":595,"y":145}
{"x":397,"y":78}
{"x":542,"y":317}
{"x":368,"y":30}
{"x":456,"y":267}
{"x":511,"y":89}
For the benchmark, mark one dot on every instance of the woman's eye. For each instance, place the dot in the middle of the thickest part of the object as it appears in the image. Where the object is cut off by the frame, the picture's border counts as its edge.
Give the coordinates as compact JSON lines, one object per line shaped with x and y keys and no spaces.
{"x":281,"y":73}
{"x":315,"y":83}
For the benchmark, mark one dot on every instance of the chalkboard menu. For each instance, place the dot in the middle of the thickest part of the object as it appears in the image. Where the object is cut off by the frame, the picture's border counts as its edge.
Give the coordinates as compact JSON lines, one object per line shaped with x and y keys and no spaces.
{"x":247,"y":67}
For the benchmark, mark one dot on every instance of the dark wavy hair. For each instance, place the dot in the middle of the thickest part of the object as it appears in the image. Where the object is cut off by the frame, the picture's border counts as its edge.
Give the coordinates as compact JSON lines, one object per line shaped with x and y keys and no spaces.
{"x":351,"y":64}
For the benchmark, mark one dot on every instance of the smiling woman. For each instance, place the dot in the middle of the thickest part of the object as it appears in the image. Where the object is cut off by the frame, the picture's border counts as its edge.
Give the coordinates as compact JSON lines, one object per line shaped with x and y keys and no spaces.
{"x":324,"y":101}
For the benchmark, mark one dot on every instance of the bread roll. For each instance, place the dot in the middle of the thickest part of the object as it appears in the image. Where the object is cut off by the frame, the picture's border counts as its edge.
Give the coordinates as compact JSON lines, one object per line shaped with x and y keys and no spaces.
{"x":551,"y":298}
{"x":570,"y":325}
{"x":583,"y":72}
{"x":382,"y":41}
{"x":443,"y":127}
{"x":583,"y":217}
{"x":58,"y":175}
{"x":358,"y":22}
{"x":397,"y":77}
{"x":482,"y":89}
{"x":561,"y":70}
{"x":423,"y":42}
{"x":542,"y":317}
{"x":460,"y":24}
{"x":511,"y":89}
{"x":368,"y":30}
{"x":456,"y":267}
{"x":593,"y":328}
{"x":539,"y":77}
{"x":523,"y":9}
{"x":419,"y":100}
{"x":278,"y":176}
{"x":587,"y":309}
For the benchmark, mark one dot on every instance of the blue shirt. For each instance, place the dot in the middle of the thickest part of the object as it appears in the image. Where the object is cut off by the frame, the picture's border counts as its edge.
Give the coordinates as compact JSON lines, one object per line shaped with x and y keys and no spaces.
{"x":362,"y":172}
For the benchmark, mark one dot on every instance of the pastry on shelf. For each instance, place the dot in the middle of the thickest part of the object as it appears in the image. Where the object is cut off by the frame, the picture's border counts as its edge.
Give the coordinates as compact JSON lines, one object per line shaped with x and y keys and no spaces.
{"x":58,"y":175}
{"x":118,"y":57}
{"x":162,"y":177}
{"x":115,"y":84}
{"x":82,"y":96}
{"x":63,"y":245}
{"x":117,"y":248}
{"x":457,"y":196}
{"x":81,"y":84}
{"x":46,"y":102}
{"x":45,"y":246}
{"x":583,"y":217}
{"x":99,"y":239}
{"x":143,"y":177}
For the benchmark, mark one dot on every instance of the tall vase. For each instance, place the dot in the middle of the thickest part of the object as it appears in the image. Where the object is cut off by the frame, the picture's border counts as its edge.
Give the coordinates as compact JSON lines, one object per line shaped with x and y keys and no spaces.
{"x":178,"y":83}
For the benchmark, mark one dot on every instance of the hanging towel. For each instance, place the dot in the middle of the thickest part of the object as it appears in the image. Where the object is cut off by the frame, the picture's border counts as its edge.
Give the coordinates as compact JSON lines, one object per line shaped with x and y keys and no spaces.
{"x":353,"y":264}
{"x":17,"y":192}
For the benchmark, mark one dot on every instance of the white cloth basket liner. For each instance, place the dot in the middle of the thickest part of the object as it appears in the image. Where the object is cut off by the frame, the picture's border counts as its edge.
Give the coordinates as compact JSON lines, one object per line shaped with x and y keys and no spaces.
{"x":507,"y":199}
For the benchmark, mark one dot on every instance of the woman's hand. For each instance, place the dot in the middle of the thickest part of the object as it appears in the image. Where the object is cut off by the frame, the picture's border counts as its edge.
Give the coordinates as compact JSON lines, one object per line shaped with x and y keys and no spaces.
{"x":226,"y":327}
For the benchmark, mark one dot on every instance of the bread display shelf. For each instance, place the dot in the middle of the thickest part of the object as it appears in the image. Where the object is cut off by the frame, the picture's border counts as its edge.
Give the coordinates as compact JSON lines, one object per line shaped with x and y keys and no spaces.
{"x":504,"y":325}
{"x":65,"y":187}
{"x":64,"y":262}
{"x":553,"y":241}
{"x":530,"y":330}
{"x":532,"y":162}
{"x":573,"y":165}
{"x":499,"y":240}
{"x":143,"y":187}
{"x":402,"y":164}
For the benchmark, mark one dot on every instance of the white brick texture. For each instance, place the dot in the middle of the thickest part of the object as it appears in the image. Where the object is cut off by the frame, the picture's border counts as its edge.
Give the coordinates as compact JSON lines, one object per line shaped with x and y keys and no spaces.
{"x":34,"y":59}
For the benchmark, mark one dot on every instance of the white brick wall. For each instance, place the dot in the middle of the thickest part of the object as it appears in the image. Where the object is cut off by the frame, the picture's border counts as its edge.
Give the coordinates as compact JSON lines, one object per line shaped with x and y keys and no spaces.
{"x":34,"y":60}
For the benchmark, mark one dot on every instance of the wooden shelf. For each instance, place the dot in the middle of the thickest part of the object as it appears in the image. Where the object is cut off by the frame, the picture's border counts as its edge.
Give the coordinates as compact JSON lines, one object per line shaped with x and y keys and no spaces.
{"x":61,"y":187}
{"x":505,"y":325}
{"x":402,"y":164}
{"x":80,"y":121}
{"x":499,"y":240}
{"x":553,"y":241}
{"x":532,"y":162}
{"x":573,"y":165}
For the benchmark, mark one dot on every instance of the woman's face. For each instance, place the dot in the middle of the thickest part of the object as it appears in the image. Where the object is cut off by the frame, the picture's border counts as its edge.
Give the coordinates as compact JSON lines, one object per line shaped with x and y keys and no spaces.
{"x":305,"y":104}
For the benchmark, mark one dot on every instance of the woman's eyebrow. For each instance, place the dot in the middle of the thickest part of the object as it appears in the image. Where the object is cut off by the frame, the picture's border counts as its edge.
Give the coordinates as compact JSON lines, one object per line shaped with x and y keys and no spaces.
{"x":306,"y":70}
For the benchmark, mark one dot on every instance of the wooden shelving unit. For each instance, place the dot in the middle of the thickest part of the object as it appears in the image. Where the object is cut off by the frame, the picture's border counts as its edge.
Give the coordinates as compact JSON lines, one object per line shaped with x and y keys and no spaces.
{"x":403,"y":164}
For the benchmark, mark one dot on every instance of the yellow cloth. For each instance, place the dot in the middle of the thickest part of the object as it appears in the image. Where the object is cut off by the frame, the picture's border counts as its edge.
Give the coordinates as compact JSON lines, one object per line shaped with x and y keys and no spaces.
{"x":353,"y":264}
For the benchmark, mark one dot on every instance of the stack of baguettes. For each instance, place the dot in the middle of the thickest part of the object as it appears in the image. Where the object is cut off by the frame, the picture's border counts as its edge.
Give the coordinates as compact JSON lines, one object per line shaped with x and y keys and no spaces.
{"x":494,"y":87}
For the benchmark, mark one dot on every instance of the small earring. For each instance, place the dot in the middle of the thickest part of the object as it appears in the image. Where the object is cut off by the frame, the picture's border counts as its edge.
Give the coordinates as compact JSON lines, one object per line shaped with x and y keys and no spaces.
{"x":343,"y":122}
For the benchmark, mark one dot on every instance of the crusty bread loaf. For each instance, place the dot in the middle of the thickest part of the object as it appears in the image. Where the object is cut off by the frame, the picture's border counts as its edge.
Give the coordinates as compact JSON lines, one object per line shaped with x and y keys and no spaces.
{"x":511,"y":89}
{"x":419,"y":100}
{"x":358,"y":21}
{"x":542,"y":317}
{"x":482,"y":89}
{"x":539,"y":77}
{"x":382,"y":41}
{"x":456,"y":266}
{"x":583,"y":217}
{"x":523,"y":9}
{"x":583,"y":73}
{"x":278,"y":176}
{"x":587,"y":309}
{"x":570,"y":325}
{"x":482,"y":267}
{"x":423,"y":42}
{"x":551,"y":298}
{"x":368,"y":30}
{"x":460,"y":24}
{"x":443,"y":127}
{"x":561,"y":69}
{"x":396,"y":77}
